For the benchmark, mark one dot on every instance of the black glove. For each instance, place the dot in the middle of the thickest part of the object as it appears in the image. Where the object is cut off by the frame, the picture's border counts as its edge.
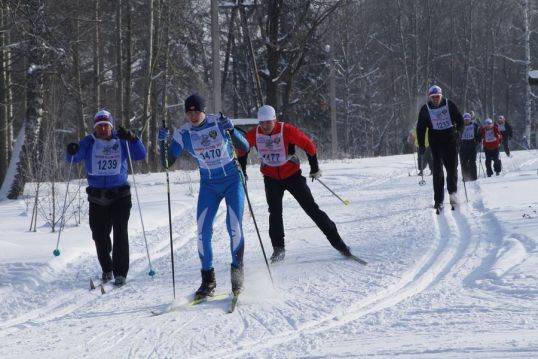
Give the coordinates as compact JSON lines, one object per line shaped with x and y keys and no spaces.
{"x":315,"y":172}
{"x":72,"y":148}
{"x":125,"y":134}
{"x":421,"y":150}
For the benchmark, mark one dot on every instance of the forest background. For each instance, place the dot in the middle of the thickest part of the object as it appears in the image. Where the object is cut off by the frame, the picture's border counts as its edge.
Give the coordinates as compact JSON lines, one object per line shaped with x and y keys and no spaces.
{"x":63,"y":60}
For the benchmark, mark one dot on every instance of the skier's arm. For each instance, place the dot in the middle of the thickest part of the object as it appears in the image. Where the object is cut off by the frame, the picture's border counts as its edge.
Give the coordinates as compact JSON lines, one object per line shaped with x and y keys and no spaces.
{"x":297,"y":137}
{"x":175,"y":148}
{"x":136,"y":149}
{"x":422,"y":124}
{"x":239,"y":141}
{"x":83,"y":146}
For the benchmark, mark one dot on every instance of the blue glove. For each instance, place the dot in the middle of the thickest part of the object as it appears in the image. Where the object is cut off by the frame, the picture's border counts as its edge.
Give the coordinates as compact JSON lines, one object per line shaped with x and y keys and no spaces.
{"x":163,"y":134}
{"x":225,"y":123}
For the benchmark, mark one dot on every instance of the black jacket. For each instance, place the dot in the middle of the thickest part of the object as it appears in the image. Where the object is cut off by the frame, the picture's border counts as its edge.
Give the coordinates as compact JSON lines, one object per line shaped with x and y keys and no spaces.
{"x":439,"y":136}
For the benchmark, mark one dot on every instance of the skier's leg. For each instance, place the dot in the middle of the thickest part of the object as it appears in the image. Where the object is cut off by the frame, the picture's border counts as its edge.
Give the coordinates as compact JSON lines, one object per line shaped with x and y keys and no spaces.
{"x":438,"y":175}
{"x":120,"y":212}
{"x":101,"y":225}
{"x":274,"y":191}
{"x":450,"y":160}
{"x":235,"y":198}
{"x":208,"y":204}
{"x":298,"y":188}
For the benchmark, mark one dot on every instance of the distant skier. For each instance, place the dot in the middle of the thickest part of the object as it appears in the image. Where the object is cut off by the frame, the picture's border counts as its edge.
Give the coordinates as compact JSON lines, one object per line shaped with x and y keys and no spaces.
{"x":470,"y":138}
{"x":422,"y":159}
{"x":491,"y":141}
{"x":444,"y":122}
{"x":506,"y":131}
{"x":109,"y":193}
{"x":204,"y":138}
{"x":281,"y":172}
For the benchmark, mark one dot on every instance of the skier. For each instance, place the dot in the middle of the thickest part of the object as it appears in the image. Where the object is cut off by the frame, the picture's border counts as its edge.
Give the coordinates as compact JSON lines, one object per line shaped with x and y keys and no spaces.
{"x":470,"y":138}
{"x":506,"y":131}
{"x":423,"y":159}
{"x":205,"y":138}
{"x":105,"y":154}
{"x":281,"y":171}
{"x":491,"y":141}
{"x":443,"y":120}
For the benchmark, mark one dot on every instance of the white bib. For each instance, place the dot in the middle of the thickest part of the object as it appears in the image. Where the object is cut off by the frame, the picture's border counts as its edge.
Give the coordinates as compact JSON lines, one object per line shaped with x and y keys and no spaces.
{"x":440,"y":117}
{"x":106,"y":157}
{"x":468,"y":132}
{"x":501,"y":127}
{"x":209,"y":147}
{"x":489,"y":136}
{"x":271,"y":149}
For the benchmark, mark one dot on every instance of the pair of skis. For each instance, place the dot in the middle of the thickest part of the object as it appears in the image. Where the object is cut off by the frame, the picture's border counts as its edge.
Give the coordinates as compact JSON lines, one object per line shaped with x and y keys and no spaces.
{"x":192,"y":303}
{"x":98,"y":283}
{"x":439,"y":208}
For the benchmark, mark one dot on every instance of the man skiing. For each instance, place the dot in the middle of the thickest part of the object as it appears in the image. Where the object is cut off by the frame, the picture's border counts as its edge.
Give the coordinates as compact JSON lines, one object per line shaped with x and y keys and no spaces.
{"x":105,"y":153}
{"x":491,"y":141}
{"x":205,"y":137}
{"x":444,"y":121}
{"x":281,"y":172}
{"x":470,"y":137}
{"x":506,"y":131}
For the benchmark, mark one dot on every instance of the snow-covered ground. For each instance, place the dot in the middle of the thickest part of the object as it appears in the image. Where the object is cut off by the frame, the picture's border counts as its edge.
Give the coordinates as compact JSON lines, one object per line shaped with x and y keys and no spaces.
{"x":463,"y":284}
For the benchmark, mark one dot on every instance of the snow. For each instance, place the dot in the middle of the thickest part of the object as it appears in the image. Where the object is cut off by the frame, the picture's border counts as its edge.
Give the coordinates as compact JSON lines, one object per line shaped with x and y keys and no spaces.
{"x":462,"y":284}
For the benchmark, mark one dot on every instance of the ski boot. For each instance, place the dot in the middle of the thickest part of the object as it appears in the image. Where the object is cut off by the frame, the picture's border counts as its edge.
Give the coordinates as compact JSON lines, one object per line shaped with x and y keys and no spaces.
{"x":207,"y":288}
{"x":119,"y":281}
{"x":453,"y":198}
{"x":107,"y":276}
{"x":438,"y":206}
{"x":345,"y":252}
{"x":278,"y":254}
{"x":238,"y":278}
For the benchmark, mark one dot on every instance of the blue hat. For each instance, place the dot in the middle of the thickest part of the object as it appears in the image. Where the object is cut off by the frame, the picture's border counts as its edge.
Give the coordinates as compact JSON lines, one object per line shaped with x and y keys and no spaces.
{"x":195,"y":102}
{"x":434,"y":91}
{"x":102,"y":117}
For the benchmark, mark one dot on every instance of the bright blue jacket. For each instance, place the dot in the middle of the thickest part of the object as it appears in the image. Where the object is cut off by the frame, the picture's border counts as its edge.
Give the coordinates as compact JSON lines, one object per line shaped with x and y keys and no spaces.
{"x":137,"y":151}
{"x":182,"y":141}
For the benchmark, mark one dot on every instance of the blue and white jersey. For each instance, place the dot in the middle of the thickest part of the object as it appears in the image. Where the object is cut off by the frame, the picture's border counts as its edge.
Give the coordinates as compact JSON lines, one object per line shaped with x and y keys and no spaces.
{"x":209,"y":145}
{"x":106,"y":160}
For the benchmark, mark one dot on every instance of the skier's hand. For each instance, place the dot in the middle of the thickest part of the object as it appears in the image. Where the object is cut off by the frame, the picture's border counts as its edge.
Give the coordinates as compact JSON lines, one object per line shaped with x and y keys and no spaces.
{"x":163,"y":134}
{"x":225,"y":123}
{"x":315,"y":175}
{"x":421,"y":150}
{"x":125,"y":134}
{"x":72,"y":148}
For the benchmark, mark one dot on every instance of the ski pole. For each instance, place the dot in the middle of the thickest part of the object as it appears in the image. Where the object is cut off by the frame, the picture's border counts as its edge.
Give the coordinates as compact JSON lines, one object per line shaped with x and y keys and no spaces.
{"x":344,"y":201}
{"x":165,"y":143}
{"x":151,"y":272}
{"x":56,"y":252}
{"x":463,"y":179}
{"x":422,"y":182}
{"x":238,"y":165}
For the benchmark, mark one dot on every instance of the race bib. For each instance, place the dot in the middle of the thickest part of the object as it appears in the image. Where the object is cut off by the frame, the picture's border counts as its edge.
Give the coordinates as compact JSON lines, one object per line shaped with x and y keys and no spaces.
{"x":440,"y":117}
{"x":271,"y":149}
{"x":468,"y":132}
{"x":501,"y":127}
{"x":209,"y":147}
{"x":106,"y":157}
{"x":490,"y":136}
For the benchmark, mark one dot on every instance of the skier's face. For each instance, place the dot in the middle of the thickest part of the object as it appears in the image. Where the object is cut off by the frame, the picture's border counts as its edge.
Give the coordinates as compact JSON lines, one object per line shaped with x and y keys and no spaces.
{"x":267,"y":126}
{"x":103,"y":131}
{"x":196,"y":117}
{"x":436,"y":99}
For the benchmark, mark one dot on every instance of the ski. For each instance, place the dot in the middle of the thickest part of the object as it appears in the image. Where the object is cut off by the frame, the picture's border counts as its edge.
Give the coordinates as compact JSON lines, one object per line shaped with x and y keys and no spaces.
{"x":98,"y":283}
{"x":357,"y":259}
{"x":233,"y":304}
{"x":438,"y":208}
{"x":192,"y":303}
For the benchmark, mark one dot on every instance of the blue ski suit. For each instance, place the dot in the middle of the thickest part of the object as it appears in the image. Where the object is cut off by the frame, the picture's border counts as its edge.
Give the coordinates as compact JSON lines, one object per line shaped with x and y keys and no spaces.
{"x":219,"y":178}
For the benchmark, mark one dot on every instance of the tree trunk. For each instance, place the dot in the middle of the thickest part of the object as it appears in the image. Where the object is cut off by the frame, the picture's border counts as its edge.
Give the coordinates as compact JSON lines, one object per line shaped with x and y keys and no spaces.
{"x":148,"y":83}
{"x":81,"y":130}
{"x":4,"y":119}
{"x":96,"y":58}
{"x":119,"y":66}
{"x":34,"y":96}
{"x":128,"y":65}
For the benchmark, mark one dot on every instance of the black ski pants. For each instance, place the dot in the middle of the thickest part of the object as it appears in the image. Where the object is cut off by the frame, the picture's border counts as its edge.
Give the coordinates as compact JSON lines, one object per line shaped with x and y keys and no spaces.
{"x":113,"y":217}
{"x":506,"y":145}
{"x":296,"y":185}
{"x":493,"y":156}
{"x":444,"y":154}
{"x":468,"y":161}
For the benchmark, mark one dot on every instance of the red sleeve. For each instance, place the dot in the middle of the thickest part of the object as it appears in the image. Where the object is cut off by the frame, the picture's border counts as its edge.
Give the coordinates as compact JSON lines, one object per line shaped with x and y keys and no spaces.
{"x":251,"y":136}
{"x":293,"y":135}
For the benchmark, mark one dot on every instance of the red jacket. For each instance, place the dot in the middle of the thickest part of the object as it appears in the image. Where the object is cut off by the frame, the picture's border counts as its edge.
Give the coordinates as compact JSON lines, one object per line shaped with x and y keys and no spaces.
{"x":491,"y":142}
{"x":292,"y":135}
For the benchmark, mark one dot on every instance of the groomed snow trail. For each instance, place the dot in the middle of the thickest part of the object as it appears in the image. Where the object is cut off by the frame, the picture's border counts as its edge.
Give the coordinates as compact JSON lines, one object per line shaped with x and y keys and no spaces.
{"x":435,"y":286}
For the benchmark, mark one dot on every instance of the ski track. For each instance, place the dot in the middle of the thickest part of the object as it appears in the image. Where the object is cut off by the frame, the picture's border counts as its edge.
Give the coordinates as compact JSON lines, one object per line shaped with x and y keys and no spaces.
{"x":457,"y":255}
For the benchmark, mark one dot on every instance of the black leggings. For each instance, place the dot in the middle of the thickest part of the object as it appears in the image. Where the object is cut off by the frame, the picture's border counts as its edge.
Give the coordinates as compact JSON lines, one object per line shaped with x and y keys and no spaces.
{"x":296,"y":185}
{"x":114,"y":217}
